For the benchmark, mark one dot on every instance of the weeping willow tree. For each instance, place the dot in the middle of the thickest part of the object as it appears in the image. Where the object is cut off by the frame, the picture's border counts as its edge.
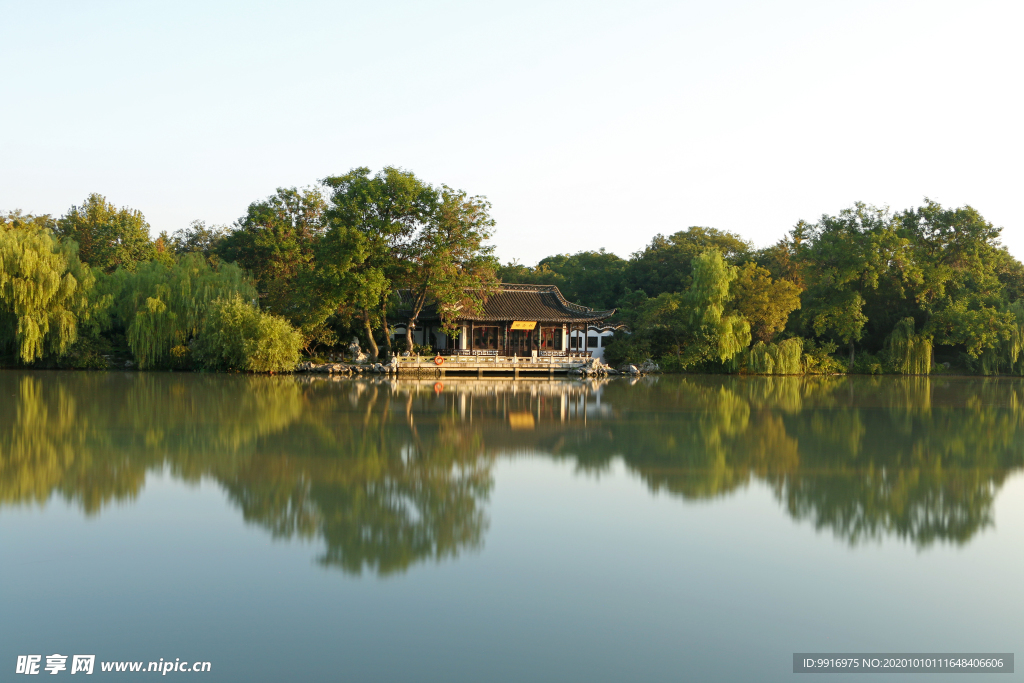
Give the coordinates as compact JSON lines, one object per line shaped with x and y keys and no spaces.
{"x":162,"y":307}
{"x":43,"y":289}
{"x":790,"y":352}
{"x":238,"y":336}
{"x":714,"y":335}
{"x":776,"y":359}
{"x":1006,"y":356}
{"x":909,"y":353}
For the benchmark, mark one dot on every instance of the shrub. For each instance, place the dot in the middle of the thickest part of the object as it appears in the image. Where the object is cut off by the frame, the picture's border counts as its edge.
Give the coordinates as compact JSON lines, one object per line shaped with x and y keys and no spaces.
{"x":1007,"y":356}
{"x":626,"y":348}
{"x":868,"y":364}
{"x":818,"y":359}
{"x":238,"y":336}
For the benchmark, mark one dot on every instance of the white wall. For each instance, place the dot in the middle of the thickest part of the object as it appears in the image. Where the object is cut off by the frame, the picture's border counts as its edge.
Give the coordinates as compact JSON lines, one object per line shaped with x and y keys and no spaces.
{"x":603,"y":337}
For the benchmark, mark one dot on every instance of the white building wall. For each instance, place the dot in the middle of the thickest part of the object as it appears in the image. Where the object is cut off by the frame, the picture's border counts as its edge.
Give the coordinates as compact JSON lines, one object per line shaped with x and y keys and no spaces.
{"x":603,"y":334}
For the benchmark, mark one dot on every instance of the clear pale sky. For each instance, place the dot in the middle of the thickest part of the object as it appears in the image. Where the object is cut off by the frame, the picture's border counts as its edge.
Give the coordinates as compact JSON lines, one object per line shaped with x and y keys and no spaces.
{"x":586,"y":124}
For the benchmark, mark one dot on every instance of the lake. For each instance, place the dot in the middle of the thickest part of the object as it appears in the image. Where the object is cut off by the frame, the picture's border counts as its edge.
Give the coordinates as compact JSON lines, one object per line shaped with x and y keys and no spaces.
{"x":662,"y":529}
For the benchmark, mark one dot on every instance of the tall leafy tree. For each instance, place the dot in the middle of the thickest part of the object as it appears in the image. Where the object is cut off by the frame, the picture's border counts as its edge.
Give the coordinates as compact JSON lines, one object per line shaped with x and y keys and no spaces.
{"x":43,"y":288}
{"x":764,"y":302}
{"x":696,"y":326}
{"x":666,"y":264}
{"x":844,"y":258}
{"x":373,"y":224}
{"x":107,"y":237}
{"x":452,"y":266}
{"x":960,"y":294}
{"x":164,"y":248}
{"x":781,"y":259}
{"x":716,"y":334}
{"x":1010,"y":273}
{"x":276,"y":242}
{"x":540,"y":274}
{"x":591,"y":278}
{"x":197,"y":238}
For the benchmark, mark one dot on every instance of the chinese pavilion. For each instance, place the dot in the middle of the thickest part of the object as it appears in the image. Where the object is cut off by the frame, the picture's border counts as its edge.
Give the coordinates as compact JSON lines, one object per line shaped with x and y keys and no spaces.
{"x":517,"y":320}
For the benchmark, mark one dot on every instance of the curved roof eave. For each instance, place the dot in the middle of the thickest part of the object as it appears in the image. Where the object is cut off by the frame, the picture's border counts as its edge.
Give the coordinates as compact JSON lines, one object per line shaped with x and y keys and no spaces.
{"x":531,"y":303}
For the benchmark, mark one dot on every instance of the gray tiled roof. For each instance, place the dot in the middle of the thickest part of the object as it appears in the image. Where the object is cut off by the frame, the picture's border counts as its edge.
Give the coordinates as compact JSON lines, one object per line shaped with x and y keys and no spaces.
{"x":542,"y":303}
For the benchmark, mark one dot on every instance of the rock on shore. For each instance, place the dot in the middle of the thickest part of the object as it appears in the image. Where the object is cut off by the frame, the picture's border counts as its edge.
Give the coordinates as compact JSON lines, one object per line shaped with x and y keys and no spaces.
{"x":349,"y":369}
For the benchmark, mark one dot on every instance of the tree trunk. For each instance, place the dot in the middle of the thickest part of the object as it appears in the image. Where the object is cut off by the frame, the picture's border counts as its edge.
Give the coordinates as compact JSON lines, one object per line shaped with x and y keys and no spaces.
{"x":387,"y":335}
{"x":369,"y":336}
{"x":418,"y":303}
{"x":850,"y":369}
{"x":408,"y":334}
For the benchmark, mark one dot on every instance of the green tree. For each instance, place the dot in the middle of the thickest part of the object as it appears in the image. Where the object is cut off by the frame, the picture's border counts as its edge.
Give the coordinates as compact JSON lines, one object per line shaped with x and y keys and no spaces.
{"x":373,"y":226}
{"x":238,"y":336}
{"x":909,"y":353}
{"x":842,"y":315}
{"x":43,"y":288}
{"x":516,"y":273}
{"x":1008,"y":356}
{"x":17,"y":220}
{"x":782,"y":259}
{"x":776,"y":359}
{"x":107,"y":237}
{"x":199,"y":238}
{"x":765,"y":303}
{"x":163,"y":247}
{"x":694,"y":326}
{"x":590,"y":278}
{"x":276,"y":241}
{"x":666,"y":264}
{"x":844,"y":258}
{"x":162,"y":308}
{"x":960,"y":294}
{"x":452,"y":267}
{"x":1010,"y":273}
{"x":716,"y":334}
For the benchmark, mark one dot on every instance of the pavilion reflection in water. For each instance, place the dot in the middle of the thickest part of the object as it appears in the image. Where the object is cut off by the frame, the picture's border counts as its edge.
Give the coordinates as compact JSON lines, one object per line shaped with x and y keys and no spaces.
{"x":390,"y":473}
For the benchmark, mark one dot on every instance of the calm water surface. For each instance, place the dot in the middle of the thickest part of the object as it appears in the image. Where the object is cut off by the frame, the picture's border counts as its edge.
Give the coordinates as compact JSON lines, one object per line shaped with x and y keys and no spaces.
{"x":671,"y":529}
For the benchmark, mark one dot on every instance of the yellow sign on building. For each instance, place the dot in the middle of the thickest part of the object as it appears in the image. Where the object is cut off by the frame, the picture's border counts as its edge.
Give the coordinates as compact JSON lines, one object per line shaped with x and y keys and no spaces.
{"x":521,"y":325}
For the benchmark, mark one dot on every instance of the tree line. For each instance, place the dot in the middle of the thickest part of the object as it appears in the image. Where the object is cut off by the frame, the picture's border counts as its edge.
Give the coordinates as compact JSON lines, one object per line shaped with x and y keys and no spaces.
{"x":306,"y":269}
{"x":301,"y":271}
{"x":865,"y":290}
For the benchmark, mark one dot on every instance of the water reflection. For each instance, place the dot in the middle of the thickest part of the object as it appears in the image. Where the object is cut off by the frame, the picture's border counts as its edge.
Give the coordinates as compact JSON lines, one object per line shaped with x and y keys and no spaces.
{"x":916,"y":458}
{"x":388,"y":474}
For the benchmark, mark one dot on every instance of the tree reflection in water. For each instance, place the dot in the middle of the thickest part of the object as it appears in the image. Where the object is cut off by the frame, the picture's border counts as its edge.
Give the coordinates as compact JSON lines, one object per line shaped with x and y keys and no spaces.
{"x":388,"y":474}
